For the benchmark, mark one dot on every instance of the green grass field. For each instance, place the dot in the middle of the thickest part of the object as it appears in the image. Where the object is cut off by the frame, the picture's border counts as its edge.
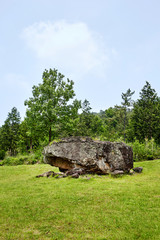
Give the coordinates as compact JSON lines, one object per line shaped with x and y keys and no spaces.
{"x":99,"y":208}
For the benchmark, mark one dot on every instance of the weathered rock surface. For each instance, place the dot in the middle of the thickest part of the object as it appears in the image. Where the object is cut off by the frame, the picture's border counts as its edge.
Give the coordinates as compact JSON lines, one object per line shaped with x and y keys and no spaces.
{"x":89,"y":156}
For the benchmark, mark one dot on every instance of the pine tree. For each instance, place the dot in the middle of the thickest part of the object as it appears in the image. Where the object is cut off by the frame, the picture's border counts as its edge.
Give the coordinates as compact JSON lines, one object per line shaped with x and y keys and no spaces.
{"x":146,"y":114}
{"x":10,"y":131}
{"x":127,"y":102}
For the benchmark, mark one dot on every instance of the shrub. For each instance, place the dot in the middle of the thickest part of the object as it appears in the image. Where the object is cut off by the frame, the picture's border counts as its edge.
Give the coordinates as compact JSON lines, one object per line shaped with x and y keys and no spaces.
{"x":2,"y":154}
{"x":20,"y":159}
{"x":145,"y":151}
{"x":12,"y":161}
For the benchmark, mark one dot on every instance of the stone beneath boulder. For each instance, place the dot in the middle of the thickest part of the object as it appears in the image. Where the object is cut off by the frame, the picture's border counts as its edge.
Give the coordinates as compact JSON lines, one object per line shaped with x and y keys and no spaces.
{"x":50,"y":173}
{"x":78,"y":171}
{"x":46,"y":174}
{"x":88,"y":156}
{"x":71,"y":173}
{"x":75,"y":175}
{"x":138,"y":169}
{"x":117,"y":172}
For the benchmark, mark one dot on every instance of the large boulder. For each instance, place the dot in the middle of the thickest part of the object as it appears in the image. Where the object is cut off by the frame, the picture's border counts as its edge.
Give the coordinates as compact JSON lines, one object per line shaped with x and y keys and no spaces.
{"x":90,"y":156}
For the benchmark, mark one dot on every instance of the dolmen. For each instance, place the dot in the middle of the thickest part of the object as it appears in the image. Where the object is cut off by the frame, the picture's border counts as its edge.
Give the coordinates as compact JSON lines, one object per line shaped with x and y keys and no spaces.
{"x":82,"y":155}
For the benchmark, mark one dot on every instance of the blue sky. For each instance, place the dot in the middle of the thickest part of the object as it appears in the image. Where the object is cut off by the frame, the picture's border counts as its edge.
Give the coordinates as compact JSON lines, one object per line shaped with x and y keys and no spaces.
{"x":104,"y":46}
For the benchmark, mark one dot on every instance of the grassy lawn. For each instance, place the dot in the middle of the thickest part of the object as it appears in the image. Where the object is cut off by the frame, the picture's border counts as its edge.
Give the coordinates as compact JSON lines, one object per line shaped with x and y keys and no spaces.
{"x":99,"y":208}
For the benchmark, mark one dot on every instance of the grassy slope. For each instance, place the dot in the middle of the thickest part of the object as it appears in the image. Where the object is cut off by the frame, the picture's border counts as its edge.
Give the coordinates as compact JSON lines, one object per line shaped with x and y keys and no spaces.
{"x":98,"y":208}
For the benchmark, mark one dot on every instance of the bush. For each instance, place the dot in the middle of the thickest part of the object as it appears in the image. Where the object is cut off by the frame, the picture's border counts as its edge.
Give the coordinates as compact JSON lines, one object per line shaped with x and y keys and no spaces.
{"x":2,"y":154}
{"x":145,"y":151}
{"x":20,"y":159}
{"x":12,"y":161}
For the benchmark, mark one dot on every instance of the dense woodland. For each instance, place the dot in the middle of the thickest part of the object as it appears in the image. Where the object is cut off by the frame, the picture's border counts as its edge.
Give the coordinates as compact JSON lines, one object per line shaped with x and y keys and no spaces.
{"x":53,"y":112}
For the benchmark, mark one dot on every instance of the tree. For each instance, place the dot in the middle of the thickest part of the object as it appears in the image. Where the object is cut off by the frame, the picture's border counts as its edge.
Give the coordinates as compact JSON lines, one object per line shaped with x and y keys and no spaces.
{"x":25,"y":141}
{"x":113,"y":123}
{"x":35,"y":130}
{"x":97,"y":128}
{"x":146,"y":114}
{"x":88,"y":123}
{"x":127,"y":102}
{"x":10,"y":131}
{"x":49,"y":107}
{"x":84,"y":120}
{"x":2,"y":151}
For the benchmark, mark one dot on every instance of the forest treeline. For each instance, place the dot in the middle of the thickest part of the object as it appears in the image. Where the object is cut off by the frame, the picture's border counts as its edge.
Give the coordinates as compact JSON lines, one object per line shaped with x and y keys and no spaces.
{"x":53,"y":112}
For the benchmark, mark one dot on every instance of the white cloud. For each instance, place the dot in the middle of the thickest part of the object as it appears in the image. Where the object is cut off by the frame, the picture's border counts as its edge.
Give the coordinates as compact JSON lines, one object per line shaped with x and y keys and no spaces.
{"x":68,"y":46}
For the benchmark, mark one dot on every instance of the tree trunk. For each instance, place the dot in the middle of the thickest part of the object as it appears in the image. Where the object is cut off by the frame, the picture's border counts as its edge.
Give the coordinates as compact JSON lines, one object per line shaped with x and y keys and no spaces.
{"x":125,"y":118}
{"x":50,"y":134}
{"x":31,"y":145}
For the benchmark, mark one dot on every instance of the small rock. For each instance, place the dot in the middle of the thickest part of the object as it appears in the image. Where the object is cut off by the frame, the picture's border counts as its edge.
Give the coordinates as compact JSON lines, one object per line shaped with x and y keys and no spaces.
{"x":46,"y":174}
{"x":75,"y":175}
{"x":79,"y":171}
{"x":61,"y":176}
{"x":117,"y":172}
{"x":138,"y":169}
{"x":131,"y":172}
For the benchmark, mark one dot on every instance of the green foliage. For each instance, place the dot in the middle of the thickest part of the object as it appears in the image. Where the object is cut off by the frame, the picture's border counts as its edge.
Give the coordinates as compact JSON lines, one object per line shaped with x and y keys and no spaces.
{"x":112,"y":119}
{"x":53,"y":113}
{"x":9,"y":132}
{"x":127,"y":102}
{"x":24,"y":137}
{"x":88,"y":123}
{"x":145,"y":151}
{"x":127,"y":98}
{"x":48,"y":109}
{"x":84,"y":120}
{"x":13,"y":161}
{"x":146,"y":115}
{"x":2,"y":154}
{"x":23,"y":159}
